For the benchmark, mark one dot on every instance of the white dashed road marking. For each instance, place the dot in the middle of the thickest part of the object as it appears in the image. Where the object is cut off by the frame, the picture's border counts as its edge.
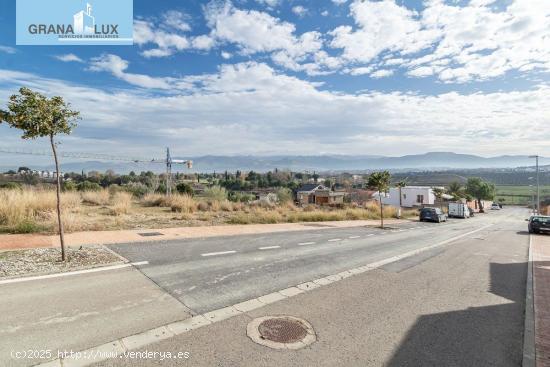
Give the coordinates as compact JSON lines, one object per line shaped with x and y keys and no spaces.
{"x":306,"y":243}
{"x":335,"y":239}
{"x":218,"y":253}
{"x":370,"y":234}
{"x":269,"y":247}
{"x":352,"y":237}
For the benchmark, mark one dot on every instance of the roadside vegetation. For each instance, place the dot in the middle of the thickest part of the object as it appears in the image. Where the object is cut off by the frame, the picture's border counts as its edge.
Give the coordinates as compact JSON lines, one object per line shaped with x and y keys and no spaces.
{"x":28,"y":209}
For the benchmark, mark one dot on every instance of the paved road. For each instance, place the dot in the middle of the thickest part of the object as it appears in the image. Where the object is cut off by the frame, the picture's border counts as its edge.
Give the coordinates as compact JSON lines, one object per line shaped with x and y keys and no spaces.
{"x":212,"y":273}
{"x":460,"y":305}
{"x":77,"y":312}
{"x":199,"y":275}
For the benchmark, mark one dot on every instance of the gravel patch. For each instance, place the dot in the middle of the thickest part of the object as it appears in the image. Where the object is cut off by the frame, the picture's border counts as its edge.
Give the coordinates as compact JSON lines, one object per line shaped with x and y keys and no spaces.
{"x":48,"y":260}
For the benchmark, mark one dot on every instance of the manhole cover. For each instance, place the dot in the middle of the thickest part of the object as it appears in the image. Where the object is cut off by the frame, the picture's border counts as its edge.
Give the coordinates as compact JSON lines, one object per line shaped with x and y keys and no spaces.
{"x":281,"y":332}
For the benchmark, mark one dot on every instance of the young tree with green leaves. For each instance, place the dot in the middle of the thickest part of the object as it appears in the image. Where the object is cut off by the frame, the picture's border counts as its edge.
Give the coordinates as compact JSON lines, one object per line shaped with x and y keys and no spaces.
{"x":380,"y":181}
{"x":38,"y":116}
{"x":480,"y":190}
{"x":456,"y":190}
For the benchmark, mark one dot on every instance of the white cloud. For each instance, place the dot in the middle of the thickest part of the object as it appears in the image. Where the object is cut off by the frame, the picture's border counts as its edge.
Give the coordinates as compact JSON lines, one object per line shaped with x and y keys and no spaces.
{"x":454,"y":43}
{"x":299,"y":10}
{"x":226,"y":55}
{"x":339,"y":2}
{"x":283,"y":114}
{"x":69,"y":58}
{"x":269,"y":3}
{"x":167,"y":36}
{"x":258,"y":32}
{"x":324,"y":13}
{"x":382,"y":73}
{"x":117,"y":66}
{"x":176,"y":20}
{"x":7,"y":49}
{"x":382,"y":26}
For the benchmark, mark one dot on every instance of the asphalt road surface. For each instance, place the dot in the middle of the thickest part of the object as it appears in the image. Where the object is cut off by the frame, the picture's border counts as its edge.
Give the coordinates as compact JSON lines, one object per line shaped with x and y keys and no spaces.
{"x":461,"y":304}
{"x":211,"y":273}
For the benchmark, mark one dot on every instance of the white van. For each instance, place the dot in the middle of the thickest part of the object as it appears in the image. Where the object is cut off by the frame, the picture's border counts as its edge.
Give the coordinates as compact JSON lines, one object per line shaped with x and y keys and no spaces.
{"x":459,"y":210}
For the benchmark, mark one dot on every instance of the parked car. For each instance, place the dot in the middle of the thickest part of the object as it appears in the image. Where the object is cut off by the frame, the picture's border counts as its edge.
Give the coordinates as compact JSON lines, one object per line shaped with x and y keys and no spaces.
{"x":495,"y":206}
{"x":432,"y":215}
{"x":459,"y":210}
{"x":539,"y":223}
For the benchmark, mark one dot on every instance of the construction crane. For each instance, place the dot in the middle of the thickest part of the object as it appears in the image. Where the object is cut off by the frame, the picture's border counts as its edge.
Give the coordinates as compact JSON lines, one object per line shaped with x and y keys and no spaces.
{"x":169,"y":161}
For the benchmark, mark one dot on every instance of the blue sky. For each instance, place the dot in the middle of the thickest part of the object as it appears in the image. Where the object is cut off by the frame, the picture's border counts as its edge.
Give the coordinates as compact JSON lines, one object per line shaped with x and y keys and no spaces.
{"x":301,"y":77}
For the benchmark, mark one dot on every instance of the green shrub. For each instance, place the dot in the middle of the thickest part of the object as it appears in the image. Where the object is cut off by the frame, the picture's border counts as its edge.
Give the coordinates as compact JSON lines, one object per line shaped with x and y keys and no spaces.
{"x":137,"y":189}
{"x":88,"y":186}
{"x":27,"y":226}
{"x":216,"y":193}
{"x":284,"y":195}
{"x":10,"y":185}
{"x":69,"y":186}
{"x":184,"y":188}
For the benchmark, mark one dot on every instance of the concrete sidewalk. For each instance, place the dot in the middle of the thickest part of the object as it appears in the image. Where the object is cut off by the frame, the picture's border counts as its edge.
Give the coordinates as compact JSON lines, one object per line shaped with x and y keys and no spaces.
{"x":22,"y":241}
{"x":541,"y":296}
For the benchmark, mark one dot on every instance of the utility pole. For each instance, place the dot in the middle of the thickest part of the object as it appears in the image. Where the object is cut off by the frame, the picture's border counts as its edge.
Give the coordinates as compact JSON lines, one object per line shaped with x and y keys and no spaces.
{"x":538,"y":183}
{"x":168,"y":173}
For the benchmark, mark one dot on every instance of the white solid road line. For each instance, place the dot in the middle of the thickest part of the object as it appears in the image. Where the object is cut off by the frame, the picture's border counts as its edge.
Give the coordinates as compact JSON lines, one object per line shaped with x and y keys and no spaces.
{"x":68,"y":273}
{"x":269,"y":247}
{"x":306,"y":243}
{"x":218,"y":253}
{"x":353,"y":237}
{"x":335,"y":239}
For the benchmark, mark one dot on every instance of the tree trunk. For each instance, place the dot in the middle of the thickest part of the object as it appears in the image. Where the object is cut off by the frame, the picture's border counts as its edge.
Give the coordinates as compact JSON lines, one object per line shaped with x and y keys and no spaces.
{"x":480,"y":206}
{"x":59,"y":221}
{"x":381,"y":211}
{"x":400,"y":204}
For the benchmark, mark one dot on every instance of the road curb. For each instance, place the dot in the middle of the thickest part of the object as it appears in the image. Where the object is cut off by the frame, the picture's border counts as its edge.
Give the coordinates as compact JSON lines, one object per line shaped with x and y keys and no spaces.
{"x":529,"y":350}
{"x":183,"y":326}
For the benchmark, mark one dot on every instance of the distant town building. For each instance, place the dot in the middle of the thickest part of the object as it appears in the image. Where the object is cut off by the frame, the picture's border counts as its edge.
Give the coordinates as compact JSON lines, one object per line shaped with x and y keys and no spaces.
{"x":318,"y":194}
{"x":411,"y":196}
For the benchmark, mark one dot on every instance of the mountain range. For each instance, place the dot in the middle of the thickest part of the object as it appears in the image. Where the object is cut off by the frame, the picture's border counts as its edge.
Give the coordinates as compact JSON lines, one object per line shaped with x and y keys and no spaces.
{"x":427,"y":161}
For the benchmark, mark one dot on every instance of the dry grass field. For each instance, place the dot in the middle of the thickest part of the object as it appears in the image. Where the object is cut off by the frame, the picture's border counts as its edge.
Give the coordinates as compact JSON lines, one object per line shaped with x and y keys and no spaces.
{"x":31,"y":210}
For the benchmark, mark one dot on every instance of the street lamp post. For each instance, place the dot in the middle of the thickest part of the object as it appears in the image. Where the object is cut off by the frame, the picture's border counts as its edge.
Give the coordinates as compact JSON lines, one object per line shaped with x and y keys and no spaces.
{"x":538,"y":185}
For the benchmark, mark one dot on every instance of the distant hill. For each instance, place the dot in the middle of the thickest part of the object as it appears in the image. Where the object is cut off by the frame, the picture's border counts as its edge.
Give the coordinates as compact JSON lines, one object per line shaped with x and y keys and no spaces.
{"x":427,"y":161}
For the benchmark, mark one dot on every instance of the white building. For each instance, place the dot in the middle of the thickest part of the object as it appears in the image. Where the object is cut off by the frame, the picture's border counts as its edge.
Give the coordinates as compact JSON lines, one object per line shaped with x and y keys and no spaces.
{"x":411,"y":196}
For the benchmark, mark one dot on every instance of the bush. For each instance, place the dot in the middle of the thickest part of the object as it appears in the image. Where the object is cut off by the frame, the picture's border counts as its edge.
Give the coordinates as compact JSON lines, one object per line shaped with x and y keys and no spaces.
{"x":137,"y":189}
{"x":122,"y":202}
{"x":240,"y":197}
{"x":101,"y":197}
{"x":182,"y":203}
{"x":10,"y":186}
{"x":28,"y":226}
{"x":88,"y":186}
{"x":184,"y":188}
{"x":69,"y":186}
{"x":284,"y":195}
{"x":153,"y":199}
{"x":215,"y":193}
